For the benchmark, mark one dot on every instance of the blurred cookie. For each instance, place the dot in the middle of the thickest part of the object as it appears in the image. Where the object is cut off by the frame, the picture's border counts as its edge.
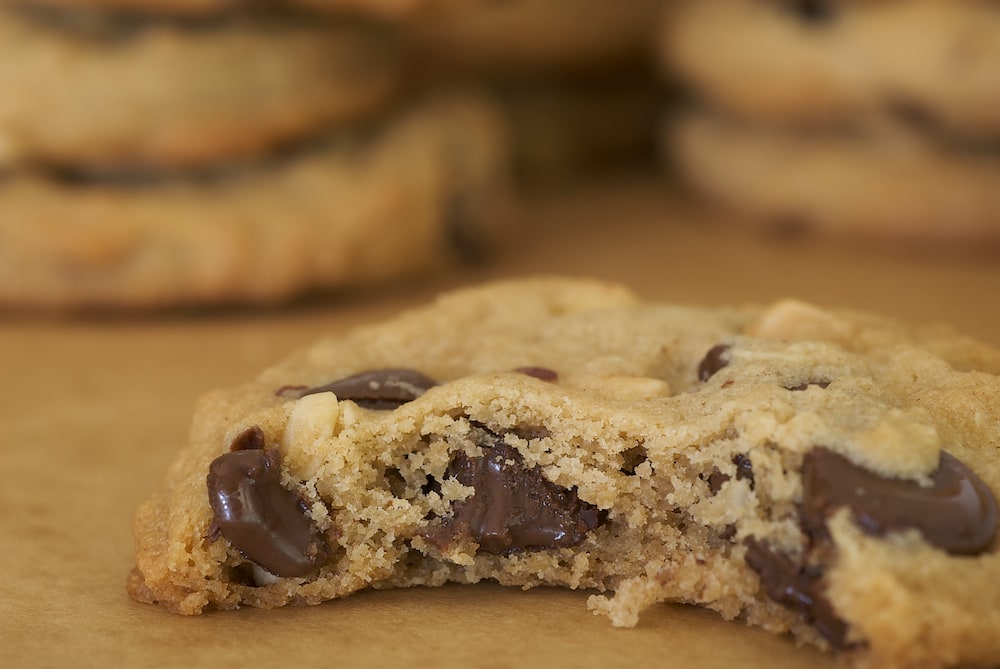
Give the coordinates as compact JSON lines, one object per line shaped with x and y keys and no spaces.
{"x":529,"y":35}
{"x":821,"y":60}
{"x":82,"y":90}
{"x":356,"y":211}
{"x":873,"y":184}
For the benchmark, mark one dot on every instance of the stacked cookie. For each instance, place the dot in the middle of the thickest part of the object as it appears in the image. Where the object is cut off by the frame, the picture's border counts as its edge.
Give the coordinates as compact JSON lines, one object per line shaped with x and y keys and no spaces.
{"x":871,"y":118}
{"x":573,"y":77}
{"x":186,"y":153}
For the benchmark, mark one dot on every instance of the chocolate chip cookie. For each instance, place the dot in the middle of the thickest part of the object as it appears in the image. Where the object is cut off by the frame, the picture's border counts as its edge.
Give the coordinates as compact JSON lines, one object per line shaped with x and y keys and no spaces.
{"x":820,"y":61}
{"x":95,"y":91}
{"x":875,"y":183}
{"x":364,"y":205}
{"x":824,"y":473}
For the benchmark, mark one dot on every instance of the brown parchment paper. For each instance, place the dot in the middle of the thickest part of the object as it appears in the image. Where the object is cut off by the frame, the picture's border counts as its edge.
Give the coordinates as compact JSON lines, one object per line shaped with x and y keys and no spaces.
{"x":94,"y":409}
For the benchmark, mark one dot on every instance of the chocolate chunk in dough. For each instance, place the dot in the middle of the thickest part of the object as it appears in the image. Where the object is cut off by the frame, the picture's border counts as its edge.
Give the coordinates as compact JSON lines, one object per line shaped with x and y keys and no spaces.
{"x":251,"y":439}
{"x":814,"y":12}
{"x":541,"y":373}
{"x":381,"y":389}
{"x":514,"y":507}
{"x":797,"y":587}
{"x":264,"y":520}
{"x":716,"y":358}
{"x":957,"y":512}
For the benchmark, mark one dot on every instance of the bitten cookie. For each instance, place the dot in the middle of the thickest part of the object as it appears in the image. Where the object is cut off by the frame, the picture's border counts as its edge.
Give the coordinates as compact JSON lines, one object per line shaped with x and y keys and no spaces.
{"x":105,"y":92}
{"x":886,"y":183}
{"x":363,"y":206}
{"x":821,"y":61}
{"x":824,"y":473}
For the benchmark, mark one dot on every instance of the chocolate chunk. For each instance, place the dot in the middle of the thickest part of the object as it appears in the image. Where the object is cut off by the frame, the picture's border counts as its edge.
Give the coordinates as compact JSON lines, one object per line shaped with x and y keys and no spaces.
{"x":542,"y":373}
{"x":715,"y":480}
{"x":798,"y":587}
{"x":716,"y":358}
{"x":380,"y":389}
{"x":264,"y":520}
{"x":813,"y":11}
{"x":632,"y":458}
{"x":803,"y":386}
{"x":957,"y":512}
{"x":250,"y":439}
{"x":513,"y":508}
{"x":744,"y":470}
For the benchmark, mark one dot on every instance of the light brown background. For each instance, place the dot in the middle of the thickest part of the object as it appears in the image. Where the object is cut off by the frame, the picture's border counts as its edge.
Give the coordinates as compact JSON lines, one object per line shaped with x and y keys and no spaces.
{"x":94,"y":409}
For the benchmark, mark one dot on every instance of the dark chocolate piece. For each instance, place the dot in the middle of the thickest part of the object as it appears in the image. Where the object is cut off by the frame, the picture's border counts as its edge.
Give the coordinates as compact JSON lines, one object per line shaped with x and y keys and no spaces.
{"x":716,"y":358}
{"x":814,"y":11}
{"x":541,"y":373}
{"x":798,"y":587}
{"x":380,"y":389}
{"x":744,"y":470}
{"x":632,"y":458}
{"x":513,"y":508}
{"x":250,"y":439}
{"x":264,"y":520}
{"x":957,"y":512}
{"x":806,"y":384}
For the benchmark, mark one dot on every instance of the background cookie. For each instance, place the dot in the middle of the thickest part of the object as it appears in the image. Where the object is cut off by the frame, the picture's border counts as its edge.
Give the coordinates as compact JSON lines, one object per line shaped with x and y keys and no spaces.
{"x":357,"y":211}
{"x":806,"y":61}
{"x":870,"y":184}
{"x":104,"y":93}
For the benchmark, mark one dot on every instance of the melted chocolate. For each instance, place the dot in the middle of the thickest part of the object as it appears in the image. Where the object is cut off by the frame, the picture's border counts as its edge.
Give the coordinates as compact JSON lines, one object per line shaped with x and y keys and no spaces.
{"x":716,"y":358}
{"x":380,"y":389}
{"x":957,"y":512}
{"x":264,"y":520}
{"x":513,"y":508}
{"x":798,"y":587}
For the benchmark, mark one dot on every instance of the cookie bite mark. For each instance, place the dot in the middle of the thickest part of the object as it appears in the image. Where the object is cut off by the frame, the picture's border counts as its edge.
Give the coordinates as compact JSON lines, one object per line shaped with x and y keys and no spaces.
{"x":379,"y":389}
{"x":513,"y":508}
{"x":957,"y":512}
{"x":262,"y":519}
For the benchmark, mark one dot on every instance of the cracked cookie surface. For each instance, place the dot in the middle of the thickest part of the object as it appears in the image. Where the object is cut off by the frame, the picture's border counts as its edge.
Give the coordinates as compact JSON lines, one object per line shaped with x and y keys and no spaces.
{"x":563,"y":432}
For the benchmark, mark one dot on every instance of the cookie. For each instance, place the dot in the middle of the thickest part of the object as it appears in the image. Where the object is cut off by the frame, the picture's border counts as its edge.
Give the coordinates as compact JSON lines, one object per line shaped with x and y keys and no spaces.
{"x":824,"y":473}
{"x":154,"y":95}
{"x":816,"y":61}
{"x":891,"y":184}
{"x":355,"y":210}
{"x":526,"y":36}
